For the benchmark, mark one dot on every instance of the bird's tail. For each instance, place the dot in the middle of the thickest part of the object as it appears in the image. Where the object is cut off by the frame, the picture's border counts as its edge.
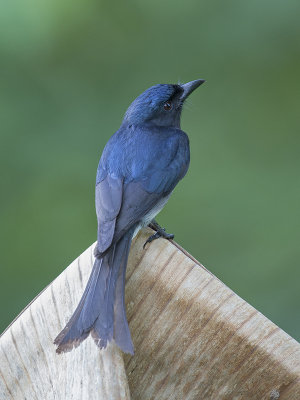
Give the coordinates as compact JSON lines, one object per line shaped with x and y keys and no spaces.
{"x":101,"y":310}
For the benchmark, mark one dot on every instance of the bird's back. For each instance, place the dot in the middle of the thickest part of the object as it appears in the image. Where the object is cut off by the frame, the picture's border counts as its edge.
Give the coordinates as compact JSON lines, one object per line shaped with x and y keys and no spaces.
{"x":157,"y":157}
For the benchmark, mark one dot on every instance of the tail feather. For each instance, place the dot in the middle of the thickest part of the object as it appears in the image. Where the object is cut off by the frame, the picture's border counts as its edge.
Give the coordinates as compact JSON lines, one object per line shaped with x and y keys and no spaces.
{"x":103,"y":326}
{"x":78,"y":327}
{"x":112,"y":321}
{"x":121,"y":329}
{"x":101,"y":310}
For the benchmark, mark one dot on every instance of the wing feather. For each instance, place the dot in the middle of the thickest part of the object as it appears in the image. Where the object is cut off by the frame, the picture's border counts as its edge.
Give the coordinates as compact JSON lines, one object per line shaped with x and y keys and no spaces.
{"x":150,"y":177}
{"x":108,"y":203}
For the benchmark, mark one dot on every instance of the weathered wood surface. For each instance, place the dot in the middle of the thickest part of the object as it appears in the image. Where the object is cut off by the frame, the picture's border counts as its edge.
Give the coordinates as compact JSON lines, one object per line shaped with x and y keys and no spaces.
{"x":29,"y":366}
{"x":194,"y":339}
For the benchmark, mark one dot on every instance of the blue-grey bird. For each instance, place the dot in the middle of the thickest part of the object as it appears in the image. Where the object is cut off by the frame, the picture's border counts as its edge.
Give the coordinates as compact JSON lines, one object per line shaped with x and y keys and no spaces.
{"x":140,"y":166}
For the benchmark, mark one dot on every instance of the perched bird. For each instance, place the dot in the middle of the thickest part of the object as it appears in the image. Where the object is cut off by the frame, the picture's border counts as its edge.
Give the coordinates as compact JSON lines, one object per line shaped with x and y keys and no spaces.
{"x":140,"y":166}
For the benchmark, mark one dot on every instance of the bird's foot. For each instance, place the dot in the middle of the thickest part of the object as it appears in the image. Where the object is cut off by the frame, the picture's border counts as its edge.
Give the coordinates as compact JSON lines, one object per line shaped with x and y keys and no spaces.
{"x":160,"y":232}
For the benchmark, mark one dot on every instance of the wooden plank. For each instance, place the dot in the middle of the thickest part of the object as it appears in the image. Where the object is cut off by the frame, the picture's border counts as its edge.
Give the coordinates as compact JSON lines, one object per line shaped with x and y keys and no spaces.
{"x":194,"y":339}
{"x":31,"y":369}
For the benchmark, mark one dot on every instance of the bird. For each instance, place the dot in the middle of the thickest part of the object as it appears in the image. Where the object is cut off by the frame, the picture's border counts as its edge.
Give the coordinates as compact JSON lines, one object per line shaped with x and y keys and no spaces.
{"x":139,"y":167}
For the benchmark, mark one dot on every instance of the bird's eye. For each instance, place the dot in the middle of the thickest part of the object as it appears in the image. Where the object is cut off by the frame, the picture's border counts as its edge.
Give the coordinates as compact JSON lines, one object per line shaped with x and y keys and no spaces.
{"x":168,"y":106}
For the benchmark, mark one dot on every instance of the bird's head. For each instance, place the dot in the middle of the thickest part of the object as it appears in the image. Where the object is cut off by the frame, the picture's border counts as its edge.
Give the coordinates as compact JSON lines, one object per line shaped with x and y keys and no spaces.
{"x":160,"y":105}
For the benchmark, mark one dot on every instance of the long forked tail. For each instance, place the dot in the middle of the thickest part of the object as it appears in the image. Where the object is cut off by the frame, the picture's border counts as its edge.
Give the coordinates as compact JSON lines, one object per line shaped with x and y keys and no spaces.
{"x":101,"y":310}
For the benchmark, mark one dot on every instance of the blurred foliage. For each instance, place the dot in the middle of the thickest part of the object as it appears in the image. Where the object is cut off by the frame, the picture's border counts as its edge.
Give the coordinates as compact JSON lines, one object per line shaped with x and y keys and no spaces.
{"x":68,"y":72}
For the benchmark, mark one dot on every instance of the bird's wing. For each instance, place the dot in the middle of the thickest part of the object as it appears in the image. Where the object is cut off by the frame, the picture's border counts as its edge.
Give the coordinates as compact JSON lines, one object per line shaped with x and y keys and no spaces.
{"x":109,"y":193}
{"x":137,"y":203}
{"x":121,"y":204}
{"x":119,"y":207}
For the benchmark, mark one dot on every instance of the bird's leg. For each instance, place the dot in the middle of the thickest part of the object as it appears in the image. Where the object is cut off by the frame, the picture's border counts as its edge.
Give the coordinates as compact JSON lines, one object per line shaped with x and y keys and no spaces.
{"x":160,"y":232}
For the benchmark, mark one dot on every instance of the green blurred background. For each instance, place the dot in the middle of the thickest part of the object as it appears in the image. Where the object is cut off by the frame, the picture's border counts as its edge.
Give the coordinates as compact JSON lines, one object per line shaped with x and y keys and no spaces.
{"x":69,"y":69}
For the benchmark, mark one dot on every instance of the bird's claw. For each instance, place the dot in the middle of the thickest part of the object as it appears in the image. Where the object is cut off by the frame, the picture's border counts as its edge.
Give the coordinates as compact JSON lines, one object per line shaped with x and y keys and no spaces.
{"x":160,"y":232}
{"x":150,"y":239}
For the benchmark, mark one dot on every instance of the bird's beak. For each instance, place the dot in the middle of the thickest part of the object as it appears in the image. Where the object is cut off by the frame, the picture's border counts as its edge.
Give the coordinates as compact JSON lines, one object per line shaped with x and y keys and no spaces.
{"x":189,"y":87}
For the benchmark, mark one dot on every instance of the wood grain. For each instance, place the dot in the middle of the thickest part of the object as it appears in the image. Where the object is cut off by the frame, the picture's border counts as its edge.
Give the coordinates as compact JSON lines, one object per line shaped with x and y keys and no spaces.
{"x":194,"y":339}
{"x":31,"y":369}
